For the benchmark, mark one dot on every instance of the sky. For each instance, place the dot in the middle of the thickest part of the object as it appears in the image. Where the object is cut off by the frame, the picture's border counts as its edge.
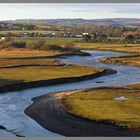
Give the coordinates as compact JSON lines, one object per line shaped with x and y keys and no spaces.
{"x":12,"y":11}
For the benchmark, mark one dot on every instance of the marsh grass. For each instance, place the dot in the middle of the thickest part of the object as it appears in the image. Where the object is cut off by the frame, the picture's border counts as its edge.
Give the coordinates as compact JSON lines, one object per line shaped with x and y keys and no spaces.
{"x":37,"y":69}
{"x":119,"y":47}
{"x":49,"y":48}
{"x":31,"y":73}
{"x":98,"y":105}
{"x":28,"y":62}
{"x":25,"y":53}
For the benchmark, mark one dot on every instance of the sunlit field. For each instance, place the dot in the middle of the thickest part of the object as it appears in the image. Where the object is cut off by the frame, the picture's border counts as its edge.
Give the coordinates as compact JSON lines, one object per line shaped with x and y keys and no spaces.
{"x":100,"y":105}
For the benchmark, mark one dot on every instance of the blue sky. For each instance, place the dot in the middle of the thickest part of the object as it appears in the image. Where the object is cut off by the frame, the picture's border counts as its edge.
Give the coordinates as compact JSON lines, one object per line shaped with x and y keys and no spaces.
{"x":69,"y":10}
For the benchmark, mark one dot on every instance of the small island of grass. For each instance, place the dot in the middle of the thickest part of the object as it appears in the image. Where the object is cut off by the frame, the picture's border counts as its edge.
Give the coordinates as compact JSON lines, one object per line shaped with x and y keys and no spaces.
{"x":105,"y":105}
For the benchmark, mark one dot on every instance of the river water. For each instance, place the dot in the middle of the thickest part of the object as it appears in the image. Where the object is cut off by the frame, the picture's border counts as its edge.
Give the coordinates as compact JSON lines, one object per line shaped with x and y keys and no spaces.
{"x":13,"y":104}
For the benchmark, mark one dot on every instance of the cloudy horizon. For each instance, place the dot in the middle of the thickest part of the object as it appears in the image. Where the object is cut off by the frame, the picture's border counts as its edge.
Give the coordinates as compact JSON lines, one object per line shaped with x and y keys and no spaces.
{"x":68,"y":10}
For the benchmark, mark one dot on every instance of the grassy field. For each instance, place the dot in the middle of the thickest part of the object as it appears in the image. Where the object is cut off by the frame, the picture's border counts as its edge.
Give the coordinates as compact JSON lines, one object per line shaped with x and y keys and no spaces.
{"x":37,"y":73}
{"x":99,"y":105}
{"x":106,"y":46}
{"x":132,"y":49}
{"x":116,"y":38}
{"x":50,"y":39}
{"x":24,"y":53}
{"x":36,"y":49}
{"x":25,"y":31}
{"x":63,"y":39}
{"x":29,"y":62}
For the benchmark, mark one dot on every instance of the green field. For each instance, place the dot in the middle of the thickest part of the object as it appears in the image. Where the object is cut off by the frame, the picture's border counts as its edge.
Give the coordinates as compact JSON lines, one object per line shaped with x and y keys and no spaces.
{"x":50,"y":39}
{"x":25,"y":31}
{"x":60,"y":39}
{"x":116,"y":38}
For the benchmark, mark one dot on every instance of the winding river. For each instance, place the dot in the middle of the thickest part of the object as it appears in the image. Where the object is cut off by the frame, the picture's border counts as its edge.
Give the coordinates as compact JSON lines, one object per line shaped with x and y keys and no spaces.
{"x":13,"y":104}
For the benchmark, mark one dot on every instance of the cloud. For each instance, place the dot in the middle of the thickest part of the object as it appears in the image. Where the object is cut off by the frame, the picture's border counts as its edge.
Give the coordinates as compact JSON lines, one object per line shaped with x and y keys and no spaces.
{"x":69,"y":10}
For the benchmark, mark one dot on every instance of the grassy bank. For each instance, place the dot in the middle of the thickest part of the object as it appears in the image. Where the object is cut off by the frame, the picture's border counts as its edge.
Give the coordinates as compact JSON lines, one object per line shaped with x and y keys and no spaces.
{"x":130,"y":60}
{"x":99,"y":105}
{"x":34,"y":66}
{"x":133,"y":59}
{"x":33,"y":73}
{"x":15,"y":49}
{"x":119,"y":47}
{"x":25,"y":53}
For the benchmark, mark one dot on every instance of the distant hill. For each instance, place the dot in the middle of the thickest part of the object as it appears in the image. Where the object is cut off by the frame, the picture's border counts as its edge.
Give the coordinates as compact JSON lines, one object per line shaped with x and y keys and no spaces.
{"x":106,"y":21}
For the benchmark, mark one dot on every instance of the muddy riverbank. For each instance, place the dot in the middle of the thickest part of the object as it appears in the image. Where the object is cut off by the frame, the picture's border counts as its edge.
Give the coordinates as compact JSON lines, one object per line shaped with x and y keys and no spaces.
{"x":47,"y":110}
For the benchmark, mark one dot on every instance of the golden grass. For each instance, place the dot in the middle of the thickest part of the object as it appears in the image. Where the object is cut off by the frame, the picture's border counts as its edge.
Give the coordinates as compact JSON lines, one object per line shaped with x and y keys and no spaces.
{"x":134,"y":85}
{"x":28,"y":74}
{"x":28,"y":62}
{"x":18,"y":53}
{"x":98,"y":105}
{"x":36,"y":68}
{"x":129,"y":48}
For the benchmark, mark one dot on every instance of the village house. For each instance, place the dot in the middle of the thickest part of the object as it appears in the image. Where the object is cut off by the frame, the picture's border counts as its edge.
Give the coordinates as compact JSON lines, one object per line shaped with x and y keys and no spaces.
{"x":137,"y":41}
{"x":3,"y":38}
{"x":78,"y":36}
{"x":85,"y":33}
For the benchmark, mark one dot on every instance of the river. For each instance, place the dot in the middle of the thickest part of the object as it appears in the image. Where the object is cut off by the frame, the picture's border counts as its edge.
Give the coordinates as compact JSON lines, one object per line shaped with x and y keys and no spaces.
{"x":13,"y":104}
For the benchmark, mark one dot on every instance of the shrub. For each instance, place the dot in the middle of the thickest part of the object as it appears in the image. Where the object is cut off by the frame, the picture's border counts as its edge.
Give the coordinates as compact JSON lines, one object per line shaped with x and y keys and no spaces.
{"x":34,"y":45}
{"x":19,"y":44}
{"x":11,"y":44}
{"x":6,"y":44}
{"x":128,"y":46}
{"x":52,"y":47}
{"x":130,"y":38}
{"x":77,"y":41}
{"x":70,"y":47}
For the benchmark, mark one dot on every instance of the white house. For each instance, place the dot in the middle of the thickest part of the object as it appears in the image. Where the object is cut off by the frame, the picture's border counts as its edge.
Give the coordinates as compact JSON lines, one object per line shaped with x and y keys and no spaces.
{"x":85,"y":33}
{"x":79,"y":35}
{"x":3,"y":38}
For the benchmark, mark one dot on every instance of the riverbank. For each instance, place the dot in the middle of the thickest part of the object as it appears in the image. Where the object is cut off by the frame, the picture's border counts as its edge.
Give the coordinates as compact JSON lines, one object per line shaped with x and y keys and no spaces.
{"x":48,"y":110}
{"x":128,"y":60}
{"x":131,"y":57}
{"x":100,"y":104}
{"x":22,"y":69}
{"x":55,"y":81}
{"x":69,"y":124}
{"x":117,"y":47}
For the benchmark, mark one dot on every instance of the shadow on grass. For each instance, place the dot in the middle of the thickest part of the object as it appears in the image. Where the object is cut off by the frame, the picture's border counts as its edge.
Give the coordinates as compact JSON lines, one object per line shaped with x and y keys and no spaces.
{"x":5,"y":83}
